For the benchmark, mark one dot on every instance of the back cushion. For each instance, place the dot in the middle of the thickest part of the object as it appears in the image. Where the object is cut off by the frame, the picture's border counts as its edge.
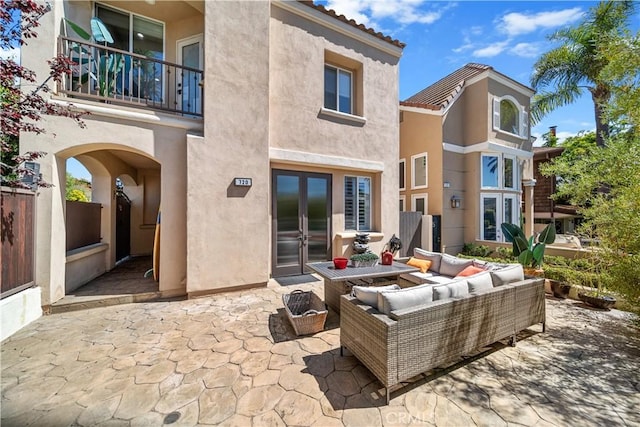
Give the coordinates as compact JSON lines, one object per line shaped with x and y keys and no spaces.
{"x":455,"y":289}
{"x":434,"y":257}
{"x":395,"y":300}
{"x":369,"y":294}
{"x":452,"y":266}
{"x":510,"y":274}
{"x":479,"y":282}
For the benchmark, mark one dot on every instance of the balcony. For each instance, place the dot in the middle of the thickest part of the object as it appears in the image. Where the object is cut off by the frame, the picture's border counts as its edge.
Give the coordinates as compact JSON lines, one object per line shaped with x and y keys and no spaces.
{"x":123,"y":78}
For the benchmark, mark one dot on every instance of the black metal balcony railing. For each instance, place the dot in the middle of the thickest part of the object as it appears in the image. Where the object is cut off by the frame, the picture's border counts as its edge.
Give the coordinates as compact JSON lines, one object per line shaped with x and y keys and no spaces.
{"x":121,"y":77}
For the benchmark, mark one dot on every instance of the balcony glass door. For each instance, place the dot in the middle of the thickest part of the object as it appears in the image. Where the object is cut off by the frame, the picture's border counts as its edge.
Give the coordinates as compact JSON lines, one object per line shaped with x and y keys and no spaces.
{"x":301,"y":212}
{"x":189,"y":90}
{"x":495,"y":209}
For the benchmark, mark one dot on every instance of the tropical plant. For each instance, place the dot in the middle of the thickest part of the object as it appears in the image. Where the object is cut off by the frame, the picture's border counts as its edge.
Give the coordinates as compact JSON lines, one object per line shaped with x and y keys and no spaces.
{"x":103,"y":68}
{"x":562,"y":74}
{"x":365,"y":257}
{"x":530,"y":252}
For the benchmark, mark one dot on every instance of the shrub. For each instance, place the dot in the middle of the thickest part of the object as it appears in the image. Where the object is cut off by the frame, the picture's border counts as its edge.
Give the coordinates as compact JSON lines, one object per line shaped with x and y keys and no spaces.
{"x":476,"y":250}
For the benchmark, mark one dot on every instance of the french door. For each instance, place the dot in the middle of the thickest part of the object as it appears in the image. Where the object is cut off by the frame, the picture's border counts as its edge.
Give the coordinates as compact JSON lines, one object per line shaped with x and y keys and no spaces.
{"x":496,"y":208}
{"x":301,"y":220}
{"x":189,"y":91}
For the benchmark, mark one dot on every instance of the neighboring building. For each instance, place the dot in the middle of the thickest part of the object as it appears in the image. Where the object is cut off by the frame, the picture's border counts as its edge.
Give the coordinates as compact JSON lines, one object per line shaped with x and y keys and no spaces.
{"x":546,"y":210}
{"x":465,"y":154}
{"x":266,"y":131}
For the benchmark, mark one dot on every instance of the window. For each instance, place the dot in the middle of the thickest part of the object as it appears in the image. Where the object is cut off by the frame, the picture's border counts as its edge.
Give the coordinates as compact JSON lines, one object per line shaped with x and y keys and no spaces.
{"x":419,"y":168}
{"x":510,"y":117}
{"x":136,"y":34}
{"x":402,"y":174}
{"x":490,"y":171}
{"x":357,"y":203}
{"x":419,"y":203}
{"x":403,"y":201}
{"x":338,"y":89}
{"x":509,"y":172}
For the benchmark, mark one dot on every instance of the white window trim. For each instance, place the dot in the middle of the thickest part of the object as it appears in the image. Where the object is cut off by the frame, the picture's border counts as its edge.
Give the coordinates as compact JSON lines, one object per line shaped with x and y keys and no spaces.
{"x":516,"y":185}
{"x":498,"y":169}
{"x":413,"y":171}
{"x":500,"y":198}
{"x":372,"y":205}
{"x":404,"y":174}
{"x":338,"y":69}
{"x":403,"y":199}
{"x":424,"y":196}
{"x":523,"y":117}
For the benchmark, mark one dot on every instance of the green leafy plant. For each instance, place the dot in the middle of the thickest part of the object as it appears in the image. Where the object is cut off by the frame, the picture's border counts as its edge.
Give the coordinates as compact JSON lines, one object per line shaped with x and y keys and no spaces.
{"x":530,"y":252}
{"x":366,"y":257}
{"x":104,"y":68}
{"x":474,"y":249}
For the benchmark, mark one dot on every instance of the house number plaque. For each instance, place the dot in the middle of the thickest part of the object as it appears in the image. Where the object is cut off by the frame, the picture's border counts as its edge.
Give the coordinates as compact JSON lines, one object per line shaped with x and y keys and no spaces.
{"x":243,"y":182}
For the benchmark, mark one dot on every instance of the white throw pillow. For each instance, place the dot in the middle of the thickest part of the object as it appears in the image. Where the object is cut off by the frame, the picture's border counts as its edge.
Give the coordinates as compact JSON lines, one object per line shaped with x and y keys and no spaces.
{"x":434,"y":257}
{"x":452,"y":266}
{"x":479,"y":282}
{"x":513,"y":273}
{"x":389,"y":301}
{"x":452,"y":290}
{"x":369,"y":294}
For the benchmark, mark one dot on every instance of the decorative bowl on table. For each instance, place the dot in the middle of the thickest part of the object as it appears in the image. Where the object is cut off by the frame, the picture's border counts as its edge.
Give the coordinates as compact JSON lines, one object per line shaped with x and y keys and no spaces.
{"x":340,"y":263}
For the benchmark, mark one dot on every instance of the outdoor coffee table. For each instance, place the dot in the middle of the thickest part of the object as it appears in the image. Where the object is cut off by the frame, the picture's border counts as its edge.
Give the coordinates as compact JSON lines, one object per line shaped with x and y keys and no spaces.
{"x":339,"y":282}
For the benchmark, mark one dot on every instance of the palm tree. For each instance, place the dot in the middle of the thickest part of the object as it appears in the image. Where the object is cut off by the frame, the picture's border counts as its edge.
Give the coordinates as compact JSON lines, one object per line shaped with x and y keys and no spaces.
{"x":562,"y":74}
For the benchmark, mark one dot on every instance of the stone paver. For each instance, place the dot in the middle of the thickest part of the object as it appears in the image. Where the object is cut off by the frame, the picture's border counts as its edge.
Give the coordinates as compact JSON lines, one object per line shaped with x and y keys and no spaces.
{"x":233,"y":359}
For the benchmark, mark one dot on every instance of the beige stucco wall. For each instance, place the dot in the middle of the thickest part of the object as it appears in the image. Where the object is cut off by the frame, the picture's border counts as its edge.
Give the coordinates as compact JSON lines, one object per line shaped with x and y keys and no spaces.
{"x":228,"y":233}
{"x":298,"y":50}
{"x":422,"y":132}
{"x":476,"y":111}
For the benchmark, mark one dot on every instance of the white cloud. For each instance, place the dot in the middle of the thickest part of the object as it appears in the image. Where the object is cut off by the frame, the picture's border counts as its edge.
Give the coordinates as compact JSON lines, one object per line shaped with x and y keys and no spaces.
{"x":11,"y":53}
{"x":526,"y":50}
{"x":491,"y":50}
{"x":402,"y":11}
{"x":516,"y":23}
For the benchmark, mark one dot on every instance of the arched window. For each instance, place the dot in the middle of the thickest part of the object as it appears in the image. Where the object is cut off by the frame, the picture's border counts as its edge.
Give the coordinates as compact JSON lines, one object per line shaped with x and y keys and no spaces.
{"x":509,"y":117}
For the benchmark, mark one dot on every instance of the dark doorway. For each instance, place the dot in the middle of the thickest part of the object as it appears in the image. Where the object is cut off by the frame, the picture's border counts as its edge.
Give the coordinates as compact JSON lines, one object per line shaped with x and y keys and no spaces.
{"x":301,"y":207}
{"x":123,"y":226}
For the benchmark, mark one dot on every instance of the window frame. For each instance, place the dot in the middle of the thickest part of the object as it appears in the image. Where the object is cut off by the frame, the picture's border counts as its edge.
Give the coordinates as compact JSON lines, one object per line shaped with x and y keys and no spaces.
{"x":522,"y":119}
{"x":413,"y":171}
{"x":403,"y":174}
{"x":514,"y":172}
{"x":415,"y":197}
{"x":351,"y":91}
{"x":403,"y":201}
{"x":498,"y":171}
{"x":357,"y":205}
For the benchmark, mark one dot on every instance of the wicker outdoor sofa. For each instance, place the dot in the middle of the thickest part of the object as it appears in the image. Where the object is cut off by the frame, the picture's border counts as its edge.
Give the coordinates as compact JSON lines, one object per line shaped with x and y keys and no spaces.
{"x":409,"y":341}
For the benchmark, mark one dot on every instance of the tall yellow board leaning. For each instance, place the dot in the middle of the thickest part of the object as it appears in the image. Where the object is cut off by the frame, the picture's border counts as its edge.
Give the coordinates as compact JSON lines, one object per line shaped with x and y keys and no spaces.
{"x":156,"y":250}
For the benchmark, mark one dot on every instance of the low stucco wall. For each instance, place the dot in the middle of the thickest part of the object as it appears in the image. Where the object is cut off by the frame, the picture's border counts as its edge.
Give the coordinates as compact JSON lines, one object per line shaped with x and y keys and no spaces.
{"x":84,"y":264}
{"x":18,"y":310}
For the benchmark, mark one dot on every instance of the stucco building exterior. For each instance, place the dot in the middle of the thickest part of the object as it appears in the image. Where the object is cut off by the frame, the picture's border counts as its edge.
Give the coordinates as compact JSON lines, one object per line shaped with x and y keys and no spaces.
{"x":465,"y":155}
{"x":267,"y":136}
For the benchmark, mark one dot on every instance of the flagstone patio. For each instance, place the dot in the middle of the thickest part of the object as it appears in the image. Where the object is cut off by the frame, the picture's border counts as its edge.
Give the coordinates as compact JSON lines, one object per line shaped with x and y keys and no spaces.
{"x":233,"y":359}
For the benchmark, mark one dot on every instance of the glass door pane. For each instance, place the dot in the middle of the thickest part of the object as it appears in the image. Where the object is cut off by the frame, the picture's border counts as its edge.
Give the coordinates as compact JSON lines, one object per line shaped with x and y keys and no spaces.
{"x":288,"y":231}
{"x":489,"y":218}
{"x":148,"y":41}
{"x":317,"y":223}
{"x":190,"y":83}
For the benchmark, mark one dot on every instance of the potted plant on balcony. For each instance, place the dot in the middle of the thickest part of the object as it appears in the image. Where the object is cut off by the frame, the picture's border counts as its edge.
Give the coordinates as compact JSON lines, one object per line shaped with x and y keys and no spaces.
{"x":367,"y":259}
{"x":529,"y":252}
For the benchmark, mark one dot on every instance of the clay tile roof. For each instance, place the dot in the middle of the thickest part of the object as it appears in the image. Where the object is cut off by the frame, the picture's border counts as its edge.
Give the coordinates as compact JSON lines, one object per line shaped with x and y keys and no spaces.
{"x":353,"y":23}
{"x":441,"y":93}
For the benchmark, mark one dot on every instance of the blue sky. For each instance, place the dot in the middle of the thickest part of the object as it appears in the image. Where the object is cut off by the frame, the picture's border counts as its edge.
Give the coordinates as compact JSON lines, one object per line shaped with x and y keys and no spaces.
{"x":442,"y":36}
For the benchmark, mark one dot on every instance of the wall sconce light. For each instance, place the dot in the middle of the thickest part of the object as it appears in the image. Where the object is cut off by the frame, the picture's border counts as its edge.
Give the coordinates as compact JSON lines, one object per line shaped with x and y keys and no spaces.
{"x":455,"y":202}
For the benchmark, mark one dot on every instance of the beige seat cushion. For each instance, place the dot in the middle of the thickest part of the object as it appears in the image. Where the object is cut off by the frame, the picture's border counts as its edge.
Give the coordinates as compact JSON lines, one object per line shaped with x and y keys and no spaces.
{"x":369,"y":294}
{"x":389,"y":301}
{"x":510,"y":274}
{"x":480,"y":281}
{"x":452,"y":290}
{"x":452,"y":266}
{"x":434,"y":257}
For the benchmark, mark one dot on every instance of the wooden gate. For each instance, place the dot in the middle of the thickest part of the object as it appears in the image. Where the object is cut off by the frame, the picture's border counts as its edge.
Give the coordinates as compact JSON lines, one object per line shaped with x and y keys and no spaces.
{"x":17,"y":255}
{"x":410,"y":232}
